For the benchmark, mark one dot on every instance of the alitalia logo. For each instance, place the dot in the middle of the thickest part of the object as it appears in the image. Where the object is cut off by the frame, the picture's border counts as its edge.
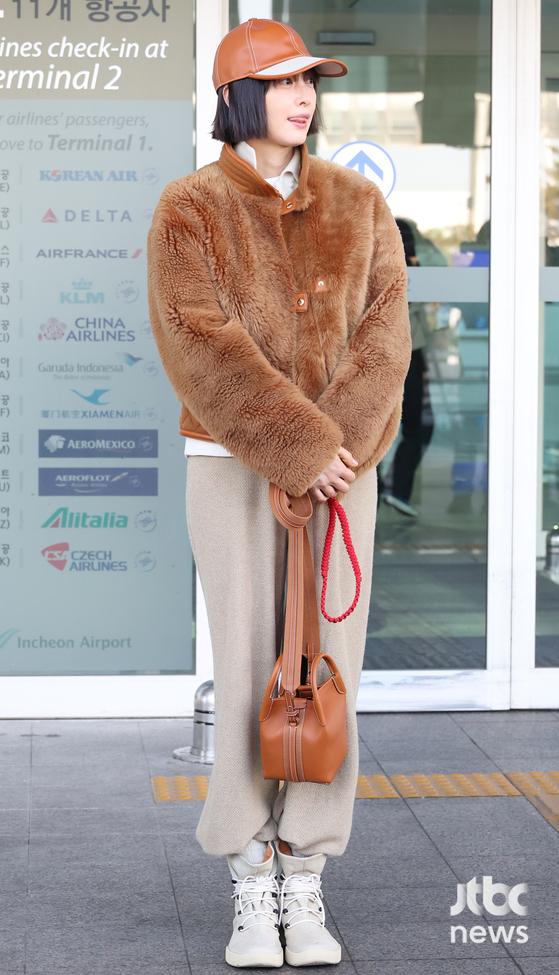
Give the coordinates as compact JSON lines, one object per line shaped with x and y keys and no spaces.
{"x":65,"y":518}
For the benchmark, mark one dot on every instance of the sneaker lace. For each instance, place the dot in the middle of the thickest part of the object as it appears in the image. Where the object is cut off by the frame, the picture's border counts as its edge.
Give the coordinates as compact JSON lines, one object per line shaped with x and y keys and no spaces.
{"x":256,"y":900}
{"x":301,"y":894}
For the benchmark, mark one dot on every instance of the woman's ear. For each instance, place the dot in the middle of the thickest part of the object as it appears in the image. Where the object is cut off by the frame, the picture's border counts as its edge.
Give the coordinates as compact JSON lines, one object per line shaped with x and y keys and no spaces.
{"x":225,"y":94}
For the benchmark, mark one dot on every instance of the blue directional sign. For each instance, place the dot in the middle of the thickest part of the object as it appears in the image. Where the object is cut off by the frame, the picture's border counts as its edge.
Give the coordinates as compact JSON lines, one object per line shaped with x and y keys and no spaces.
{"x":371,"y":160}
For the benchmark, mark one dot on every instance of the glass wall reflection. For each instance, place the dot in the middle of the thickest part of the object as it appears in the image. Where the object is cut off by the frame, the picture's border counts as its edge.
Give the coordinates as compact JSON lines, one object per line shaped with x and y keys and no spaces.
{"x":413,"y":114}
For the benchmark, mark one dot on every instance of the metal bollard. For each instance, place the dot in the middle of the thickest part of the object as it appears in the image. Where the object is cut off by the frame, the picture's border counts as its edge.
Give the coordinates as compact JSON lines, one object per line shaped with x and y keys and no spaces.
{"x":203,"y":740}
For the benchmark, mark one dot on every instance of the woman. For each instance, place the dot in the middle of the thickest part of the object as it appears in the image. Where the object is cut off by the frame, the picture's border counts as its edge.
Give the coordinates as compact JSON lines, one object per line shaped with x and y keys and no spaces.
{"x":277,"y":292}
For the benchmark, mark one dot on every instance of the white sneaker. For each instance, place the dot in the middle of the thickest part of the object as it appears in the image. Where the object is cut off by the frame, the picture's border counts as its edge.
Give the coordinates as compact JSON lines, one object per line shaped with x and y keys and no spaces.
{"x":307,"y":940}
{"x":255,"y":942}
{"x":400,"y":504}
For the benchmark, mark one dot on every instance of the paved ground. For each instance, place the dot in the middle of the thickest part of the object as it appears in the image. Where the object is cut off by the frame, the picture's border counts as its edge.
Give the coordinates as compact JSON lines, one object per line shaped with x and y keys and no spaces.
{"x":98,"y":876}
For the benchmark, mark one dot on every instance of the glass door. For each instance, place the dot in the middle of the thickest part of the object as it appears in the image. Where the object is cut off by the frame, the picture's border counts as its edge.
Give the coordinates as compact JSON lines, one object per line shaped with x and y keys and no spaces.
{"x":417,"y":114}
{"x":536,"y":644}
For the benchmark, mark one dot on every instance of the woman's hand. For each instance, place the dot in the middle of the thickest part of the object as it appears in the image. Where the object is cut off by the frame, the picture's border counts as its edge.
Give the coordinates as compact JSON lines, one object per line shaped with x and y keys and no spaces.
{"x":337,"y":476}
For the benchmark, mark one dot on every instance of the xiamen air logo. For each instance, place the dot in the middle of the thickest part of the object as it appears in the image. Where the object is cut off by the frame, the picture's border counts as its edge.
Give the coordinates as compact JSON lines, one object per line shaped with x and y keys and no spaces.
{"x":468,"y":897}
{"x":6,"y":636}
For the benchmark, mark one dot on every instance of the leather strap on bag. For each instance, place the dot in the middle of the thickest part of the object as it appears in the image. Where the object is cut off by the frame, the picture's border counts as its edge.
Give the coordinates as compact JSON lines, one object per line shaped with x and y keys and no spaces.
{"x":301,"y":628}
{"x":301,"y":616}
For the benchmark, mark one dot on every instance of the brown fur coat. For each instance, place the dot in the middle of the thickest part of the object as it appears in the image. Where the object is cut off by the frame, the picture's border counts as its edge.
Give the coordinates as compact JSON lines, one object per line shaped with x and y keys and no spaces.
{"x":282,"y":324}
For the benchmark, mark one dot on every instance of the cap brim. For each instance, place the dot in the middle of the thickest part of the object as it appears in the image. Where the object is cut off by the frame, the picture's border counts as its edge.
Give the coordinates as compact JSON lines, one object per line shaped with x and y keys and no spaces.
{"x":283,"y":69}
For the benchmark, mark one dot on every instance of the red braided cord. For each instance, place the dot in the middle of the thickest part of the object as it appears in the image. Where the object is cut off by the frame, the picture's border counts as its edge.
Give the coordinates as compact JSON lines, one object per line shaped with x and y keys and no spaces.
{"x":335,"y":506}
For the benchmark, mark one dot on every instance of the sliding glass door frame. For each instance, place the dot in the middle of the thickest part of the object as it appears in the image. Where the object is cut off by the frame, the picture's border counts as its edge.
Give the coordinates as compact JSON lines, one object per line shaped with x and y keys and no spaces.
{"x":532,"y":687}
{"x":510,"y":678}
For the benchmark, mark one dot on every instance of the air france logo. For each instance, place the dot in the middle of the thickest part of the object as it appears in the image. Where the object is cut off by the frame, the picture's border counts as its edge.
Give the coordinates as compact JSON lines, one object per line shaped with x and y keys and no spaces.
{"x":477,"y":897}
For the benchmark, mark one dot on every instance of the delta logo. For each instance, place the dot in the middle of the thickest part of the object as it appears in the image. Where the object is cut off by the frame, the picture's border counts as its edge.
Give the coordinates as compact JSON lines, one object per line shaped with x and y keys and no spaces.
{"x":86,"y":216}
{"x":61,"y":557}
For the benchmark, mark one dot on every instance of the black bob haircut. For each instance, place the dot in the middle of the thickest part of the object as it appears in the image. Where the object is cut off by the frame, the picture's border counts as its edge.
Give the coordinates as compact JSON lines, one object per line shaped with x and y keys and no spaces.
{"x":245,"y":116}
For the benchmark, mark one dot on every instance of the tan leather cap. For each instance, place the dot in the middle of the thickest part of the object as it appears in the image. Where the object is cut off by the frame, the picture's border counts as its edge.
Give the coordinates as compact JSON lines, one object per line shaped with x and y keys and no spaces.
{"x":260,"y":48}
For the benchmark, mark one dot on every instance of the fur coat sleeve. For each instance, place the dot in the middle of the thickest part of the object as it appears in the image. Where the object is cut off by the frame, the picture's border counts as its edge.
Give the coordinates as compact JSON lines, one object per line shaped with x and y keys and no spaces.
{"x":218,"y":370}
{"x":364,"y":394}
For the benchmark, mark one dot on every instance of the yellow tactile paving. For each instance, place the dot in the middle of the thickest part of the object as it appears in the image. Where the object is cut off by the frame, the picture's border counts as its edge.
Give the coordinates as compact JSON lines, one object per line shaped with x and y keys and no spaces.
{"x":173,"y":788}
{"x":539,"y":788}
{"x":534,"y":783}
{"x":453,"y":784}
{"x":375,"y":787}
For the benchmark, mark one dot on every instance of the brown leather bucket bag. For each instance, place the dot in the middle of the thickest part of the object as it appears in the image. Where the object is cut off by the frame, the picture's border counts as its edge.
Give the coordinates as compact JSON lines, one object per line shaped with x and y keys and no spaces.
{"x":303,"y":731}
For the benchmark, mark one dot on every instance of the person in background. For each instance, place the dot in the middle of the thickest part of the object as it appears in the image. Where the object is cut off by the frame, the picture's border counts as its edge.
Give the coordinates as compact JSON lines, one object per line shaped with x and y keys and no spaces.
{"x":417,"y":415}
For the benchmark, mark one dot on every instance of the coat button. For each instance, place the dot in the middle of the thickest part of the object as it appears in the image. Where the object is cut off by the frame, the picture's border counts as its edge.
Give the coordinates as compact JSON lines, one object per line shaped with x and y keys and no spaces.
{"x":300,"y":301}
{"x":288,"y":206}
{"x":321,"y":284}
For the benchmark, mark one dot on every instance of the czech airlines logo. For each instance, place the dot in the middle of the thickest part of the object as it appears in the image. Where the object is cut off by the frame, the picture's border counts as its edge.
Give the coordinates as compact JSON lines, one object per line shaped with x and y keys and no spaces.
{"x":56,"y":555}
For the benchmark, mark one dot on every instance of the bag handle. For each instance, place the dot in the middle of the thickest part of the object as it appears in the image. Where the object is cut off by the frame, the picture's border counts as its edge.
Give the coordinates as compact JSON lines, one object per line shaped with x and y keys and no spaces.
{"x":301,"y":627}
{"x":337,"y":508}
{"x":301,"y":615}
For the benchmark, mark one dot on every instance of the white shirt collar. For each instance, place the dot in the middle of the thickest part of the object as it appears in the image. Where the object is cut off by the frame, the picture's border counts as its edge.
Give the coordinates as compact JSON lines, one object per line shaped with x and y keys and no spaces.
{"x":246,"y":152}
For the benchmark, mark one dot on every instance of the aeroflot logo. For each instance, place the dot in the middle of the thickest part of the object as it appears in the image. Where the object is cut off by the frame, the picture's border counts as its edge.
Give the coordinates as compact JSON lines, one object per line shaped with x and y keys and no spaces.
{"x":479,"y":897}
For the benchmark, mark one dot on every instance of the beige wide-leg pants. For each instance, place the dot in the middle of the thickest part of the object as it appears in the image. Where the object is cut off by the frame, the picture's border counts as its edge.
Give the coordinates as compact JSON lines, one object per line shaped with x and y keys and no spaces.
{"x":240,"y":550}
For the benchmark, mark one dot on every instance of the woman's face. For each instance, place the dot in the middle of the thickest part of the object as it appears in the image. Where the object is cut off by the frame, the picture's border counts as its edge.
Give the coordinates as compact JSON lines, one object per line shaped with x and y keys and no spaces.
{"x":288,"y":98}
